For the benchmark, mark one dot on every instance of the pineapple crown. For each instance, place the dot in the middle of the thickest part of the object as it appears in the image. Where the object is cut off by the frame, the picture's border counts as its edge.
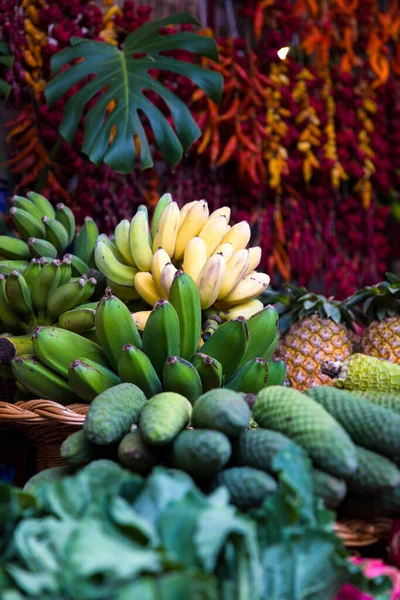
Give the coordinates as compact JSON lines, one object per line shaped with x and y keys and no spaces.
{"x":378,"y":301}
{"x":296,"y":303}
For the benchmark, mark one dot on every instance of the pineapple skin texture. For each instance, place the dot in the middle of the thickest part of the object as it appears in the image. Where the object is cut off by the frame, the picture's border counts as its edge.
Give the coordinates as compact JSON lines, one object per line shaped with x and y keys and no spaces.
{"x":310,"y":342}
{"x":382,"y":339}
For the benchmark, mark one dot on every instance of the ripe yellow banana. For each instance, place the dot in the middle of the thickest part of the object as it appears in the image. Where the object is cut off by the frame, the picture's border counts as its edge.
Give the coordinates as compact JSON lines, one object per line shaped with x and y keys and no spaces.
{"x":226,"y":250}
{"x":195,"y":257}
{"x":145,"y":286}
{"x":236,"y":268}
{"x":246,"y":310}
{"x":167,"y":229}
{"x":255,"y":258}
{"x":239,"y":235}
{"x":249,"y":287}
{"x":223,"y":211}
{"x":140,"y":318}
{"x":185,"y":209}
{"x":139,"y":243}
{"x":167,"y":277}
{"x":213,"y":232}
{"x":211,"y":279}
{"x":122,"y":240}
{"x":160,"y":259}
{"x":191,"y":226}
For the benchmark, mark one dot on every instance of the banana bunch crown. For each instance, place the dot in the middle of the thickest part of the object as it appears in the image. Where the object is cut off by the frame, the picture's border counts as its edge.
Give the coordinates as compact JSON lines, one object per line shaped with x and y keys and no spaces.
{"x":49,"y":232}
{"x":147,"y":257}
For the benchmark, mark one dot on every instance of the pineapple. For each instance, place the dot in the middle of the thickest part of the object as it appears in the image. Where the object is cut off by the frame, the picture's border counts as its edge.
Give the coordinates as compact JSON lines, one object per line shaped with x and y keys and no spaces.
{"x":313,"y":329}
{"x":381,"y":307}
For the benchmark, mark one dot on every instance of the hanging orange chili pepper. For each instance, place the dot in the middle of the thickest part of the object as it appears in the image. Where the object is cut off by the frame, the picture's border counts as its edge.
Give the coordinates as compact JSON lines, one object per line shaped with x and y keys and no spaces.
{"x":228,"y":151}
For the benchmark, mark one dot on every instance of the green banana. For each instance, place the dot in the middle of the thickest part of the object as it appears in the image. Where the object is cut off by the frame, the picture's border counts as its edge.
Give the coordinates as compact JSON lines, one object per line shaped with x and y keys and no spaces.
{"x":251,"y":378}
{"x":65,"y":270}
{"x":78,"y":266}
{"x":12,"y":346}
{"x":46,"y":280}
{"x":184,"y":297}
{"x":161,"y":204}
{"x":66,"y":217}
{"x":115,"y":327}
{"x":263,"y":327}
{"x":12,"y":248}
{"x":18,"y":293}
{"x":77,"y":320}
{"x":125,"y":292}
{"x":39,"y":248}
{"x":276,"y":371}
{"x":31,"y":272}
{"x":27,"y":225}
{"x":56,"y":233}
{"x":228,"y":345}
{"x":57,"y":348}
{"x":272,"y":347}
{"x":69,"y":295}
{"x":7,"y":266}
{"x":210,"y":326}
{"x":181,"y":376}
{"x":85,"y":241}
{"x":122,"y":240}
{"x":88,"y":379}
{"x":8,"y":316}
{"x":135,"y":367}
{"x":110,"y":266}
{"x":41,"y":381}
{"x":161,"y":335}
{"x":209,"y":369}
{"x":91,"y":335}
{"x":28,"y":205}
{"x":45,"y":207}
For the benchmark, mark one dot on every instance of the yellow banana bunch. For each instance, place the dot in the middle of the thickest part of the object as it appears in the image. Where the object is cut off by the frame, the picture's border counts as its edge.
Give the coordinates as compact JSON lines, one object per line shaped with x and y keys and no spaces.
{"x":205,"y":246}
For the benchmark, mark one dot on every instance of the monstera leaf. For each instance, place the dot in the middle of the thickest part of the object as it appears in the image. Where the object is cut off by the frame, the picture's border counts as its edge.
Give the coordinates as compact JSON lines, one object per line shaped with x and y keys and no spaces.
{"x":7,"y":60}
{"x":122,"y":76}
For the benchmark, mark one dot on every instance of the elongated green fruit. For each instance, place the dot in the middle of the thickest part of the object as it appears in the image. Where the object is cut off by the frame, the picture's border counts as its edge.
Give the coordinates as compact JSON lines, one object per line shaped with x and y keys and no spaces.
{"x":161,"y":335}
{"x":143,"y":208}
{"x":200,"y":452}
{"x":31,"y":272}
{"x":78,"y":319}
{"x":45,"y":207}
{"x":57,"y":348}
{"x":184,"y":297}
{"x":232,"y":334}
{"x":28,"y":205}
{"x":13,"y":248}
{"x":364,"y":373}
{"x":115,"y":327}
{"x":276,"y":371}
{"x":391,"y":401}
{"x":27,"y":225}
{"x":89,"y":379}
{"x":8,"y":266}
{"x":124,"y":292}
{"x":163,"y":417}
{"x":65,"y":270}
{"x":121,"y":233}
{"x":41,"y":248}
{"x":85,"y":242}
{"x":8,"y":316}
{"x":209,"y":369}
{"x":77,"y":450}
{"x":257,"y":448}
{"x":18,"y":293}
{"x":134,"y":454}
{"x":42,"y":381}
{"x":331,"y":489}
{"x":111,"y":267}
{"x":66,"y":217}
{"x":247,"y":487}
{"x":46,"y":280}
{"x":251,"y":378}
{"x":223,"y":410}
{"x":262,"y":327}
{"x":78,"y":266}
{"x":181,"y":376}
{"x":374,"y":472}
{"x":56,"y":233}
{"x":161,"y":204}
{"x":135,"y":367}
{"x":91,"y":335}
{"x":68,"y":296}
{"x":12,"y":346}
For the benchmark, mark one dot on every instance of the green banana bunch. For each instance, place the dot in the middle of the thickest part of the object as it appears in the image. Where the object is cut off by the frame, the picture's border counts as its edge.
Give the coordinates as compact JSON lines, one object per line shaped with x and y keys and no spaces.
{"x":88,"y":379}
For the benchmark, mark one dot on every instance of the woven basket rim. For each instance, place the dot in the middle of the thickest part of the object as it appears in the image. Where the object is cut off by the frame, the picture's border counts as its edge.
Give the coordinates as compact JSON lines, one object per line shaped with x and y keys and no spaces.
{"x":41,"y":411}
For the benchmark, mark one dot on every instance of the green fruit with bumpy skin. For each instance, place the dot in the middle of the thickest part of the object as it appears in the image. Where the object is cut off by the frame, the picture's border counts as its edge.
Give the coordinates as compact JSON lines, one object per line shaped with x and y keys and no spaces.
{"x":373,"y":472}
{"x":262,"y":327}
{"x":161,"y":335}
{"x":112,"y":414}
{"x":251,"y":378}
{"x":45,"y":207}
{"x":57,"y":348}
{"x":66,"y":217}
{"x":163,"y":417}
{"x":77,"y":320}
{"x":135,"y":367}
{"x":76,"y":449}
{"x":364,"y":373}
{"x":308,"y":424}
{"x":257,"y":447}
{"x":13,"y":248}
{"x":368,"y":425}
{"x":184,"y":297}
{"x":42,"y":381}
{"x":200,"y":452}
{"x":390,"y":401}
{"x":115,"y":327}
{"x":247,"y":487}
{"x":331,"y":489}
{"x":134,"y":454}
{"x":89,"y":379}
{"x":228,"y":345}
{"x":223,"y":410}
{"x":209,"y":369}
{"x":180,"y":376}
{"x":41,"y":248}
